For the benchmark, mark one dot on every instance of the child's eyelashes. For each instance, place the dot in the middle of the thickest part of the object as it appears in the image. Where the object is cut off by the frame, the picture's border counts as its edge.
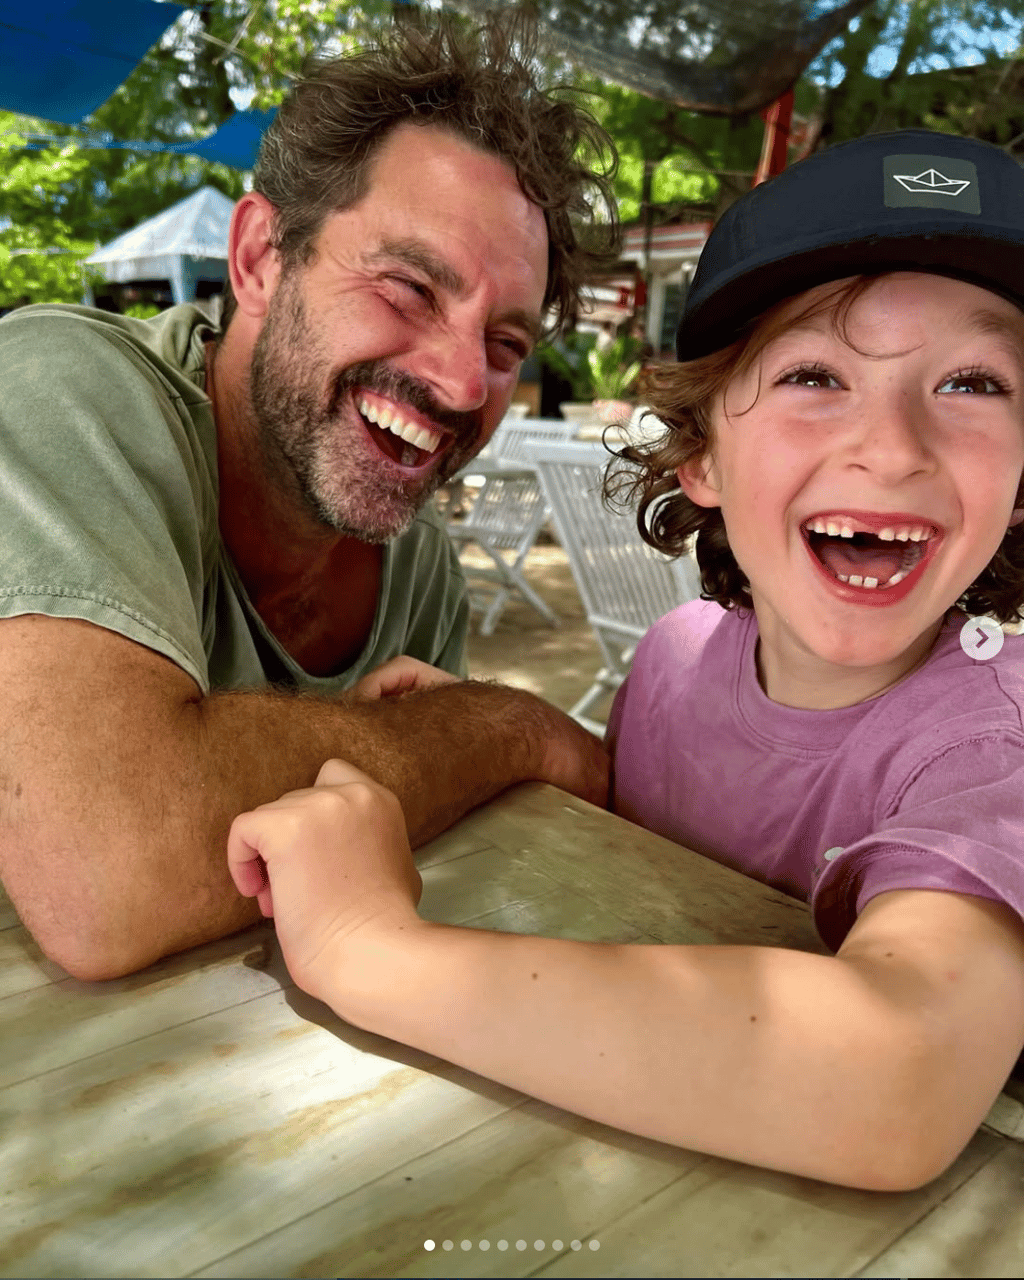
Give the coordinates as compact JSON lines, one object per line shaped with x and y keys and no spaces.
{"x":815,"y":376}
{"x":974,"y":381}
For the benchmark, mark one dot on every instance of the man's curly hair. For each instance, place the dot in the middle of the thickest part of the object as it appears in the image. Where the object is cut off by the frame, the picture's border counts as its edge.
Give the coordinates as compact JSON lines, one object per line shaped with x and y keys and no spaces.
{"x":682,"y":396}
{"x":481,"y":83}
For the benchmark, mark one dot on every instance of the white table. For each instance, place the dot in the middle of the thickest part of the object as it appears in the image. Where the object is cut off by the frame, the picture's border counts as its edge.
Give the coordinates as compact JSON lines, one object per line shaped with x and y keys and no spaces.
{"x":205,"y":1118}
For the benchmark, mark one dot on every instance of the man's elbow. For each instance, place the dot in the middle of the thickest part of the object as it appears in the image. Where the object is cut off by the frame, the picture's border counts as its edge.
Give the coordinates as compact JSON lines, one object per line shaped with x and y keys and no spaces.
{"x":88,"y":958}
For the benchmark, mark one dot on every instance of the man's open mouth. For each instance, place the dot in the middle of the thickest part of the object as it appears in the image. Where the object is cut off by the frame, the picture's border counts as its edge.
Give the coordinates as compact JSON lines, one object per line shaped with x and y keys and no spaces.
{"x":863,"y":557}
{"x":404,"y":442}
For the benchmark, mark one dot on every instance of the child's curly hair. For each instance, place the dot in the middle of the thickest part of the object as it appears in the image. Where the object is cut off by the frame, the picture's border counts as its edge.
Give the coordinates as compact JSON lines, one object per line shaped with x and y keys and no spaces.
{"x":682,"y":396}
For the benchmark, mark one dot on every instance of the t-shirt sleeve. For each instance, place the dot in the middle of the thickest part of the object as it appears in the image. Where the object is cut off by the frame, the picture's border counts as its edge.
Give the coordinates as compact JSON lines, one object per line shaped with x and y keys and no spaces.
{"x":106,"y":494}
{"x":957,"y":825}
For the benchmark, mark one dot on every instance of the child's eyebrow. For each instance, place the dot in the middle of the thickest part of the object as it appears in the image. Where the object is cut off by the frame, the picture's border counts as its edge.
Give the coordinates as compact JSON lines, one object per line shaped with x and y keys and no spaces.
{"x":998,"y":325}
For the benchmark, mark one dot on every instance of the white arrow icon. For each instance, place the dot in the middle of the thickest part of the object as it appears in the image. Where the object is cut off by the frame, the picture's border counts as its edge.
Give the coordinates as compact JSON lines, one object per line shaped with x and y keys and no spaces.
{"x":981,"y":638}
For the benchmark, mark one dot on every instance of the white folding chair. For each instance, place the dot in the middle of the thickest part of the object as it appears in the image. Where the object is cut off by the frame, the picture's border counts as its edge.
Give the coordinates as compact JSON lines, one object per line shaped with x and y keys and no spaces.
{"x":506,"y":516}
{"x":624,"y":584}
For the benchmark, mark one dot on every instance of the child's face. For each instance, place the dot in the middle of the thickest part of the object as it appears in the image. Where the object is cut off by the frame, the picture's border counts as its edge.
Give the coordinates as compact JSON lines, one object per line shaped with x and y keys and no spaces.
{"x":925,"y":432}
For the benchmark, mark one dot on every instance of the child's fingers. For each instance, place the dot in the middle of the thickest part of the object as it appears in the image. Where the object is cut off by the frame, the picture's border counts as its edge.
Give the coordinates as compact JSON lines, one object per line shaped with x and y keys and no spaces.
{"x":338,"y":773}
{"x":248,"y":870}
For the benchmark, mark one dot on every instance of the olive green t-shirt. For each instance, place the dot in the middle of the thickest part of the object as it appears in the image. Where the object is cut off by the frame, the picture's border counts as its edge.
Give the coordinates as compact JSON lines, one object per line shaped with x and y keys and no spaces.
{"x":108,"y":507}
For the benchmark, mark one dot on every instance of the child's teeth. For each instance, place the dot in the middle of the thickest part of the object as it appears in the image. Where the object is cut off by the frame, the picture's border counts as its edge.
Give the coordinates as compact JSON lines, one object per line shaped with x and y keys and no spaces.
{"x":896,"y":577}
{"x":855,"y":580}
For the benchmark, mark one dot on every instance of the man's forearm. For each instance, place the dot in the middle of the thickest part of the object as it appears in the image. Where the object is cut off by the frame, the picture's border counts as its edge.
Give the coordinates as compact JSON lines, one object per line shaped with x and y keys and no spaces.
{"x":441,"y":751}
{"x":124,"y":785}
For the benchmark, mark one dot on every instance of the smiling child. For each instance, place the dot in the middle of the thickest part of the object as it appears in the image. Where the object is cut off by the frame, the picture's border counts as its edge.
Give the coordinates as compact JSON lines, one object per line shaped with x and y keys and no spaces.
{"x":845,"y":435}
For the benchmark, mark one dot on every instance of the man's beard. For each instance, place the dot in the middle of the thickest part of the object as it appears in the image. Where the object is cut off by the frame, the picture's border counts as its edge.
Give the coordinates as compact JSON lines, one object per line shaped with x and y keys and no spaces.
{"x":310,"y":451}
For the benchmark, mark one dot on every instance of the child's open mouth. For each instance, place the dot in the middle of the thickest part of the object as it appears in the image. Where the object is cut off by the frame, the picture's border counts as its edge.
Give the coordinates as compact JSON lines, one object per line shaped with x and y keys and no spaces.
{"x":871,"y":553}
{"x":409,"y":445}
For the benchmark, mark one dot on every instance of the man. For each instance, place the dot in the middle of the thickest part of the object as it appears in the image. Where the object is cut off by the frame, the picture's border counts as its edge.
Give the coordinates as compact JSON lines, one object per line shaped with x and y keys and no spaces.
{"x":208,"y":540}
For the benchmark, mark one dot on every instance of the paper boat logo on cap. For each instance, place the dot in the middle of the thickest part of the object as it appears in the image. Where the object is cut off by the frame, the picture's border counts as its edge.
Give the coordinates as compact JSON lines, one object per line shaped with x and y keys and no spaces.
{"x":931,"y":182}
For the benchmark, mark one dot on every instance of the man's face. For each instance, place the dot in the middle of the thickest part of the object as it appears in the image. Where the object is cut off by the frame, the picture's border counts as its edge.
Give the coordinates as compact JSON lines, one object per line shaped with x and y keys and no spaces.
{"x":386,"y":364}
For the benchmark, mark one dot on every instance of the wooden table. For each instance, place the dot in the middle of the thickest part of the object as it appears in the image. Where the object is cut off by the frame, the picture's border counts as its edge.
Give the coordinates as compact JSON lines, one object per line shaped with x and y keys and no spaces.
{"x":205,"y":1118}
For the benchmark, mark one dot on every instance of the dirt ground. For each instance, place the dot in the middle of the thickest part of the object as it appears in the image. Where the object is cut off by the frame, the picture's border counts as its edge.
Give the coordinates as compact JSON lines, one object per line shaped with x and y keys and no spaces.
{"x":558,"y":663}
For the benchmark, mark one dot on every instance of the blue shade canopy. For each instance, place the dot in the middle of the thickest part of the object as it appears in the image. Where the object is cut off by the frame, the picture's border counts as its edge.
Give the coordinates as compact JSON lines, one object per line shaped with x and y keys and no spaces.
{"x":61,"y":59}
{"x":235,"y":143}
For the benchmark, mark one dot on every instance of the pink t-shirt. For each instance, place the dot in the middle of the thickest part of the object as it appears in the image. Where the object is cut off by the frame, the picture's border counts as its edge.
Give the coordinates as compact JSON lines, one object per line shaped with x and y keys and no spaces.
{"x":921,"y":787}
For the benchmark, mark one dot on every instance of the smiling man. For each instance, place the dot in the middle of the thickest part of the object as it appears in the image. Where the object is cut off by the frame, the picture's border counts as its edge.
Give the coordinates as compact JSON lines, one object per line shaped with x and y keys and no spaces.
{"x":216,"y":540}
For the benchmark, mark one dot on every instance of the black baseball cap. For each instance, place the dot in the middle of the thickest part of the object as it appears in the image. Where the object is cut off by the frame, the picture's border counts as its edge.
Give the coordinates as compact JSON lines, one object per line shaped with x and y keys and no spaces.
{"x":915,"y":200}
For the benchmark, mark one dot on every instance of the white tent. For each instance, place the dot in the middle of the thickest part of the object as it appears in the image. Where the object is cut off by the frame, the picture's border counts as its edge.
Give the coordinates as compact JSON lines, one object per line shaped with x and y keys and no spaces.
{"x":186,"y":243}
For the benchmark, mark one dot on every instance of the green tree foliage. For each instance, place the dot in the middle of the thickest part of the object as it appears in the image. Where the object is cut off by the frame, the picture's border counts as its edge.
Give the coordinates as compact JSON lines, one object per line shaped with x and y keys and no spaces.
{"x":900,"y":64}
{"x":40,"y":251}
{"x":217,"y":56}
{"x":908,"y":63}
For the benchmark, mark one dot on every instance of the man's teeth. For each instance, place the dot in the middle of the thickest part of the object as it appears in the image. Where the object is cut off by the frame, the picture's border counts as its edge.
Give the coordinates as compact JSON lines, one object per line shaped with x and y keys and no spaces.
{"x":418,"y":436}
{"x":902,"y":533}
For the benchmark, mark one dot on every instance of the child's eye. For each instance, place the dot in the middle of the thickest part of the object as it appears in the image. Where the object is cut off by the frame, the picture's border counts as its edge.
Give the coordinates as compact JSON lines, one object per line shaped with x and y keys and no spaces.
{"x":811,"y":375}
{"x":973,"y":382}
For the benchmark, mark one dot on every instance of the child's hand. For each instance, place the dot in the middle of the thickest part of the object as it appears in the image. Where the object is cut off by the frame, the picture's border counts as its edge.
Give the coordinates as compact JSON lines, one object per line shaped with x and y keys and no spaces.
{"x":401,"y":675}
{"x":326,"y":862}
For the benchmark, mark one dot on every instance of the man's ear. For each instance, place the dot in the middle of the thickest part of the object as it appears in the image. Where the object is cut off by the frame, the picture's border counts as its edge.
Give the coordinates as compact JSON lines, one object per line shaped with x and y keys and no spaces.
{"x":700,"y":481}
{"x":253,"y":262}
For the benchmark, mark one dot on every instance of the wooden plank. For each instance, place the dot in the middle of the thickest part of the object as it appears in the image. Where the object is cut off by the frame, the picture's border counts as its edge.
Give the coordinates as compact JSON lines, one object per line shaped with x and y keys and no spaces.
{"x":454,"y":891}
{"x":8,"y":915}
{"x":160,"y":1156}
{"x":49,"y":1027}
{"x":534,"y":1173}
{"x":22,"y":965}
{"x":560,"y":914}
{"x":658,"y":887}
{"x":977,"y":1231}
{"x":728,"y":1219}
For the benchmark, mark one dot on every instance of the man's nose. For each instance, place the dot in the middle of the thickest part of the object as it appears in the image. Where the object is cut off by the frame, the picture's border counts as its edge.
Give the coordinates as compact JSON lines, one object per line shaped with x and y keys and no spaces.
{"x":454,"y":365}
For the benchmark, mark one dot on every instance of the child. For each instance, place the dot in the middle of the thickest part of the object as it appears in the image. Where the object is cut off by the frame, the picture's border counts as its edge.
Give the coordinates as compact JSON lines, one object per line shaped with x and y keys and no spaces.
{"x":846,"y":435}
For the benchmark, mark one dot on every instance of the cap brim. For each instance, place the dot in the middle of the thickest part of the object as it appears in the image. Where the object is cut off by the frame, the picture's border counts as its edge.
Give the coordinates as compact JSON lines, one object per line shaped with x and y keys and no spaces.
{"x":995,"y":263}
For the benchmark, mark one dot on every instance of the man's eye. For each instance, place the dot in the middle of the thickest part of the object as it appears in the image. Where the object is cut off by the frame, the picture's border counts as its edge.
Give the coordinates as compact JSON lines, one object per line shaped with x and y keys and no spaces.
{"x":811,"y":376}
{"x":414,"y":286}
{"x":506,"y":353}
{"x":973,"y":382}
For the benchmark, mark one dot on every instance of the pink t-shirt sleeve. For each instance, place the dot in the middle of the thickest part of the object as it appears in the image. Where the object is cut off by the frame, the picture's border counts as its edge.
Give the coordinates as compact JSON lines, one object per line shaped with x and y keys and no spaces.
{"x":957,"y":826}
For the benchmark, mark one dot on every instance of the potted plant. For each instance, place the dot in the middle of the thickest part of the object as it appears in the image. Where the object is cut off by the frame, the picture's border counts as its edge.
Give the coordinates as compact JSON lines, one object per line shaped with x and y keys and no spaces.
{"x":599,"y":378}
{"x":613,"y":372}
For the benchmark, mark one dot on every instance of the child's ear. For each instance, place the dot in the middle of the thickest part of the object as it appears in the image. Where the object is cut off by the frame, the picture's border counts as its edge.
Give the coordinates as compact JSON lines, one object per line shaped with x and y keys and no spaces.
{"x":1017,"y":517}
{"x":700,"y":481}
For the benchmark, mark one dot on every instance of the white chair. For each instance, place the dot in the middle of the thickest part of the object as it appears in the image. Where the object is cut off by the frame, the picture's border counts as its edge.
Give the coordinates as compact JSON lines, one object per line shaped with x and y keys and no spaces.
{"x":506,"y":516}
{"x":624,"y":584}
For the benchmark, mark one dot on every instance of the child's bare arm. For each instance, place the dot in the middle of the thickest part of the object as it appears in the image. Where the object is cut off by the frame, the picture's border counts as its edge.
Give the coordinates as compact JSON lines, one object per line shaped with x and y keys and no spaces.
{"x":871,"y":1068}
